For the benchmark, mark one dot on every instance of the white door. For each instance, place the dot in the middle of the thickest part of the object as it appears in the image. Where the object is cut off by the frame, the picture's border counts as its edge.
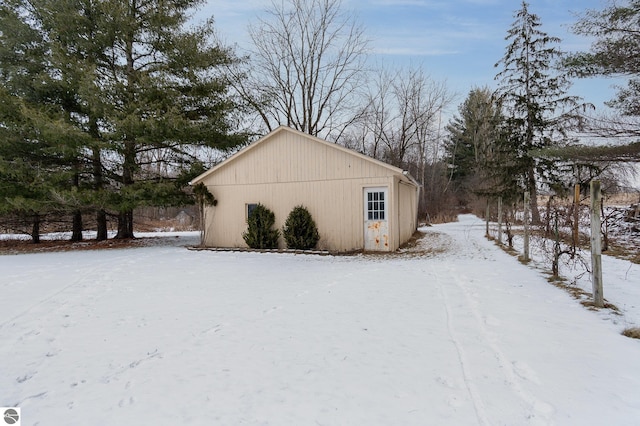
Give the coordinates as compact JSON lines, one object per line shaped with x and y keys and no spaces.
{"x":376,"y":223}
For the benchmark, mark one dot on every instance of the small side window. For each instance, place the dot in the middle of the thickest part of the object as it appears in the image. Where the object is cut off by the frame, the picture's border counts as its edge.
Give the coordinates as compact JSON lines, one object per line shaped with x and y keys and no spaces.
{"x":250,"y":208}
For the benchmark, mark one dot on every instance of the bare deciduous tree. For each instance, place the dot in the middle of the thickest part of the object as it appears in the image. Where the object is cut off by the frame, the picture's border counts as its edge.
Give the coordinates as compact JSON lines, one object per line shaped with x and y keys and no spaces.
{"x":305,"y":67}
{"x":400,"y":123}
{"x":400,"y":119}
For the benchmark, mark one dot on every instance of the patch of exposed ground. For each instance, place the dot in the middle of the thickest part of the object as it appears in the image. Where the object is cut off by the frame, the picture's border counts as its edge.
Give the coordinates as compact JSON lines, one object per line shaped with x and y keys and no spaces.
{"x":26,"y":246}
{"x":423,"y":243}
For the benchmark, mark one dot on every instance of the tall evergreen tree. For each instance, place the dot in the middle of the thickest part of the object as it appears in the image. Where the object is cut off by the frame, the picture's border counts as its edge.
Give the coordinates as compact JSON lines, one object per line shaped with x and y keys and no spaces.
{"x":37,"y":145}
{"x":135,"y":92}
{"x":472,"y":144}
{"x":534,"y":93}
{"x":615,"y":51}
{"x":165,"y":94}
{"x":71,"y":28}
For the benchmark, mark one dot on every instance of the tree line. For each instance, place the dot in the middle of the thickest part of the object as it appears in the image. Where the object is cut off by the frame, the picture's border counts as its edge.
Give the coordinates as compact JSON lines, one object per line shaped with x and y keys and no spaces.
{"x":104,"y":107}
{"x":109,"y":105}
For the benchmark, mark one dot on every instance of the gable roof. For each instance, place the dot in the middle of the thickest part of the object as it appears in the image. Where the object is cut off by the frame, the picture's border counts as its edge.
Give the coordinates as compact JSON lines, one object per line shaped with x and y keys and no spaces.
{"x":395,"y":170}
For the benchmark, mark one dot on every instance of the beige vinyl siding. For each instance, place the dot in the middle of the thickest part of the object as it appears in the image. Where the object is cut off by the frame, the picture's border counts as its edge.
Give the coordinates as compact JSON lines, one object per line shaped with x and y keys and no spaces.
{"x":336,"y":207}
{"x":292,"y":158}
{"x":408,"y":201}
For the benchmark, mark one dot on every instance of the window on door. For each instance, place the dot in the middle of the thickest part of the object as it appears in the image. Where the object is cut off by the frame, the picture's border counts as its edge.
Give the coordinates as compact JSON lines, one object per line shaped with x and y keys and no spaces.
{"x":375,"y":205}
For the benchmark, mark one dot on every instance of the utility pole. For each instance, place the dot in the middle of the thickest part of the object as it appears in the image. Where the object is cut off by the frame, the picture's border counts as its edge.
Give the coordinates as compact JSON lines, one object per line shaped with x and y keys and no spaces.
{"x":596,"y":249}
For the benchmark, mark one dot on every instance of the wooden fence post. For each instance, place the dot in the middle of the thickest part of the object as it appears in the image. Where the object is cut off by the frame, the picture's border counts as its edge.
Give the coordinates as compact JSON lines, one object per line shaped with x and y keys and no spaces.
{"x":500,"y":220}
{"x":576,"y":216}
{"x":527,"y":201}
{"x":596,"y":249}
{"x":486,"y":219}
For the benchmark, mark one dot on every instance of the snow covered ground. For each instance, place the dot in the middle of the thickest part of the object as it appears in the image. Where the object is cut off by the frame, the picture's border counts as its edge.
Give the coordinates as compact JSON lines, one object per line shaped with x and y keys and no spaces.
{"x":161,"y":335}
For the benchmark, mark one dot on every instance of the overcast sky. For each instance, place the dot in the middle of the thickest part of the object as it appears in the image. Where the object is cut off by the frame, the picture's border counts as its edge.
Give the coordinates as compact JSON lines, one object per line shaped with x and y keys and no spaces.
{"x":457,"y":41}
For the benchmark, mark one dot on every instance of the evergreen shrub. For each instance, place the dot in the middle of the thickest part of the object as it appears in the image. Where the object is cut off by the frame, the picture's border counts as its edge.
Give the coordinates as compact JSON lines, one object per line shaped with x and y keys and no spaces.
{"x":300,"y":231}
{"x":259,"y":234}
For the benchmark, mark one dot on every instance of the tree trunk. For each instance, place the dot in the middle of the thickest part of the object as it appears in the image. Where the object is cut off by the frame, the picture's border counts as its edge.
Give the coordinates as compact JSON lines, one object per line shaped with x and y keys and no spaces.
{"x":604,"y":222}
{"x":101,"y":222}
{"x":125,"y":218}
{"x":98,"y":179}
{"x":547,"y":228}
{"x":35,"y":230}
{"x":533,"y":192}
{"x":125,"y":225}
{"x":76,"y":233}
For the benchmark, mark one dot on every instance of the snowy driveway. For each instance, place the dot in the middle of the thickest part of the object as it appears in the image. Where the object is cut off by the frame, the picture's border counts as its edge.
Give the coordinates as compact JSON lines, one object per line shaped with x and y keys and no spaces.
{"x":167,"y":336}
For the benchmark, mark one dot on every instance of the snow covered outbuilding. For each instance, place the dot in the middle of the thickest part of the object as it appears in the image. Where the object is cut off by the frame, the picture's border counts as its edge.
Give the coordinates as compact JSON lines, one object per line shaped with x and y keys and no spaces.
{"x":357,"y":202}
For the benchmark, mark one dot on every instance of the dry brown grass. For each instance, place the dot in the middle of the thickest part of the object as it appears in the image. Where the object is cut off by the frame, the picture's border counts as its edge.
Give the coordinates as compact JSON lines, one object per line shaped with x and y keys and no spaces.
{"x":413,"y":241}
{"x":443,"y":217}
{"x":573,"y":290}
{"x":632,"y":332}
{"x":592,"y":307}
{"x":583,"y":296}
{"x":632,"y":254}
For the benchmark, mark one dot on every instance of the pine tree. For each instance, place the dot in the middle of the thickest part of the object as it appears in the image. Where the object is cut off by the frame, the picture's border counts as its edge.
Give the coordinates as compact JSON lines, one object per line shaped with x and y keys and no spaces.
{"x":300,"y":230}
{"x":615,"y":51}
{"x":166,"y":93}
{"x":538,"y":110}
{"x":132,"y":89}
{"x":38,"y":146}
{"x":472,"y":145}
{"x":260,"y":233}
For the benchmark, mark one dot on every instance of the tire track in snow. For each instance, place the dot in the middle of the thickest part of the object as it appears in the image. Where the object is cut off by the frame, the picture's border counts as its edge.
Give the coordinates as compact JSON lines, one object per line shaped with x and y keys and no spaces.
{"x":471,"y":248}
{"x":538,"y":406}
{"x":478,"y":404}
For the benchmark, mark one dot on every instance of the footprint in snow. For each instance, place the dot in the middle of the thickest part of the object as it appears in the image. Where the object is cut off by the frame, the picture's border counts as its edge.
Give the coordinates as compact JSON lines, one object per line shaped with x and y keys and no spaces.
{"x":445,"y":381}
{"x":125,"y":401}
{"x":523,"y":370}
{"x":26,"y":377}
{"x":453,"y":401}
{"x":216,"y":328}
{"x":272,"y":310}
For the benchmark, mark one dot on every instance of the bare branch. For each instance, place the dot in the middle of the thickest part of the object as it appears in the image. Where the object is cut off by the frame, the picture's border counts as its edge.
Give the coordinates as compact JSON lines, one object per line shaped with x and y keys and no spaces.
{"x":306,"y":66}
